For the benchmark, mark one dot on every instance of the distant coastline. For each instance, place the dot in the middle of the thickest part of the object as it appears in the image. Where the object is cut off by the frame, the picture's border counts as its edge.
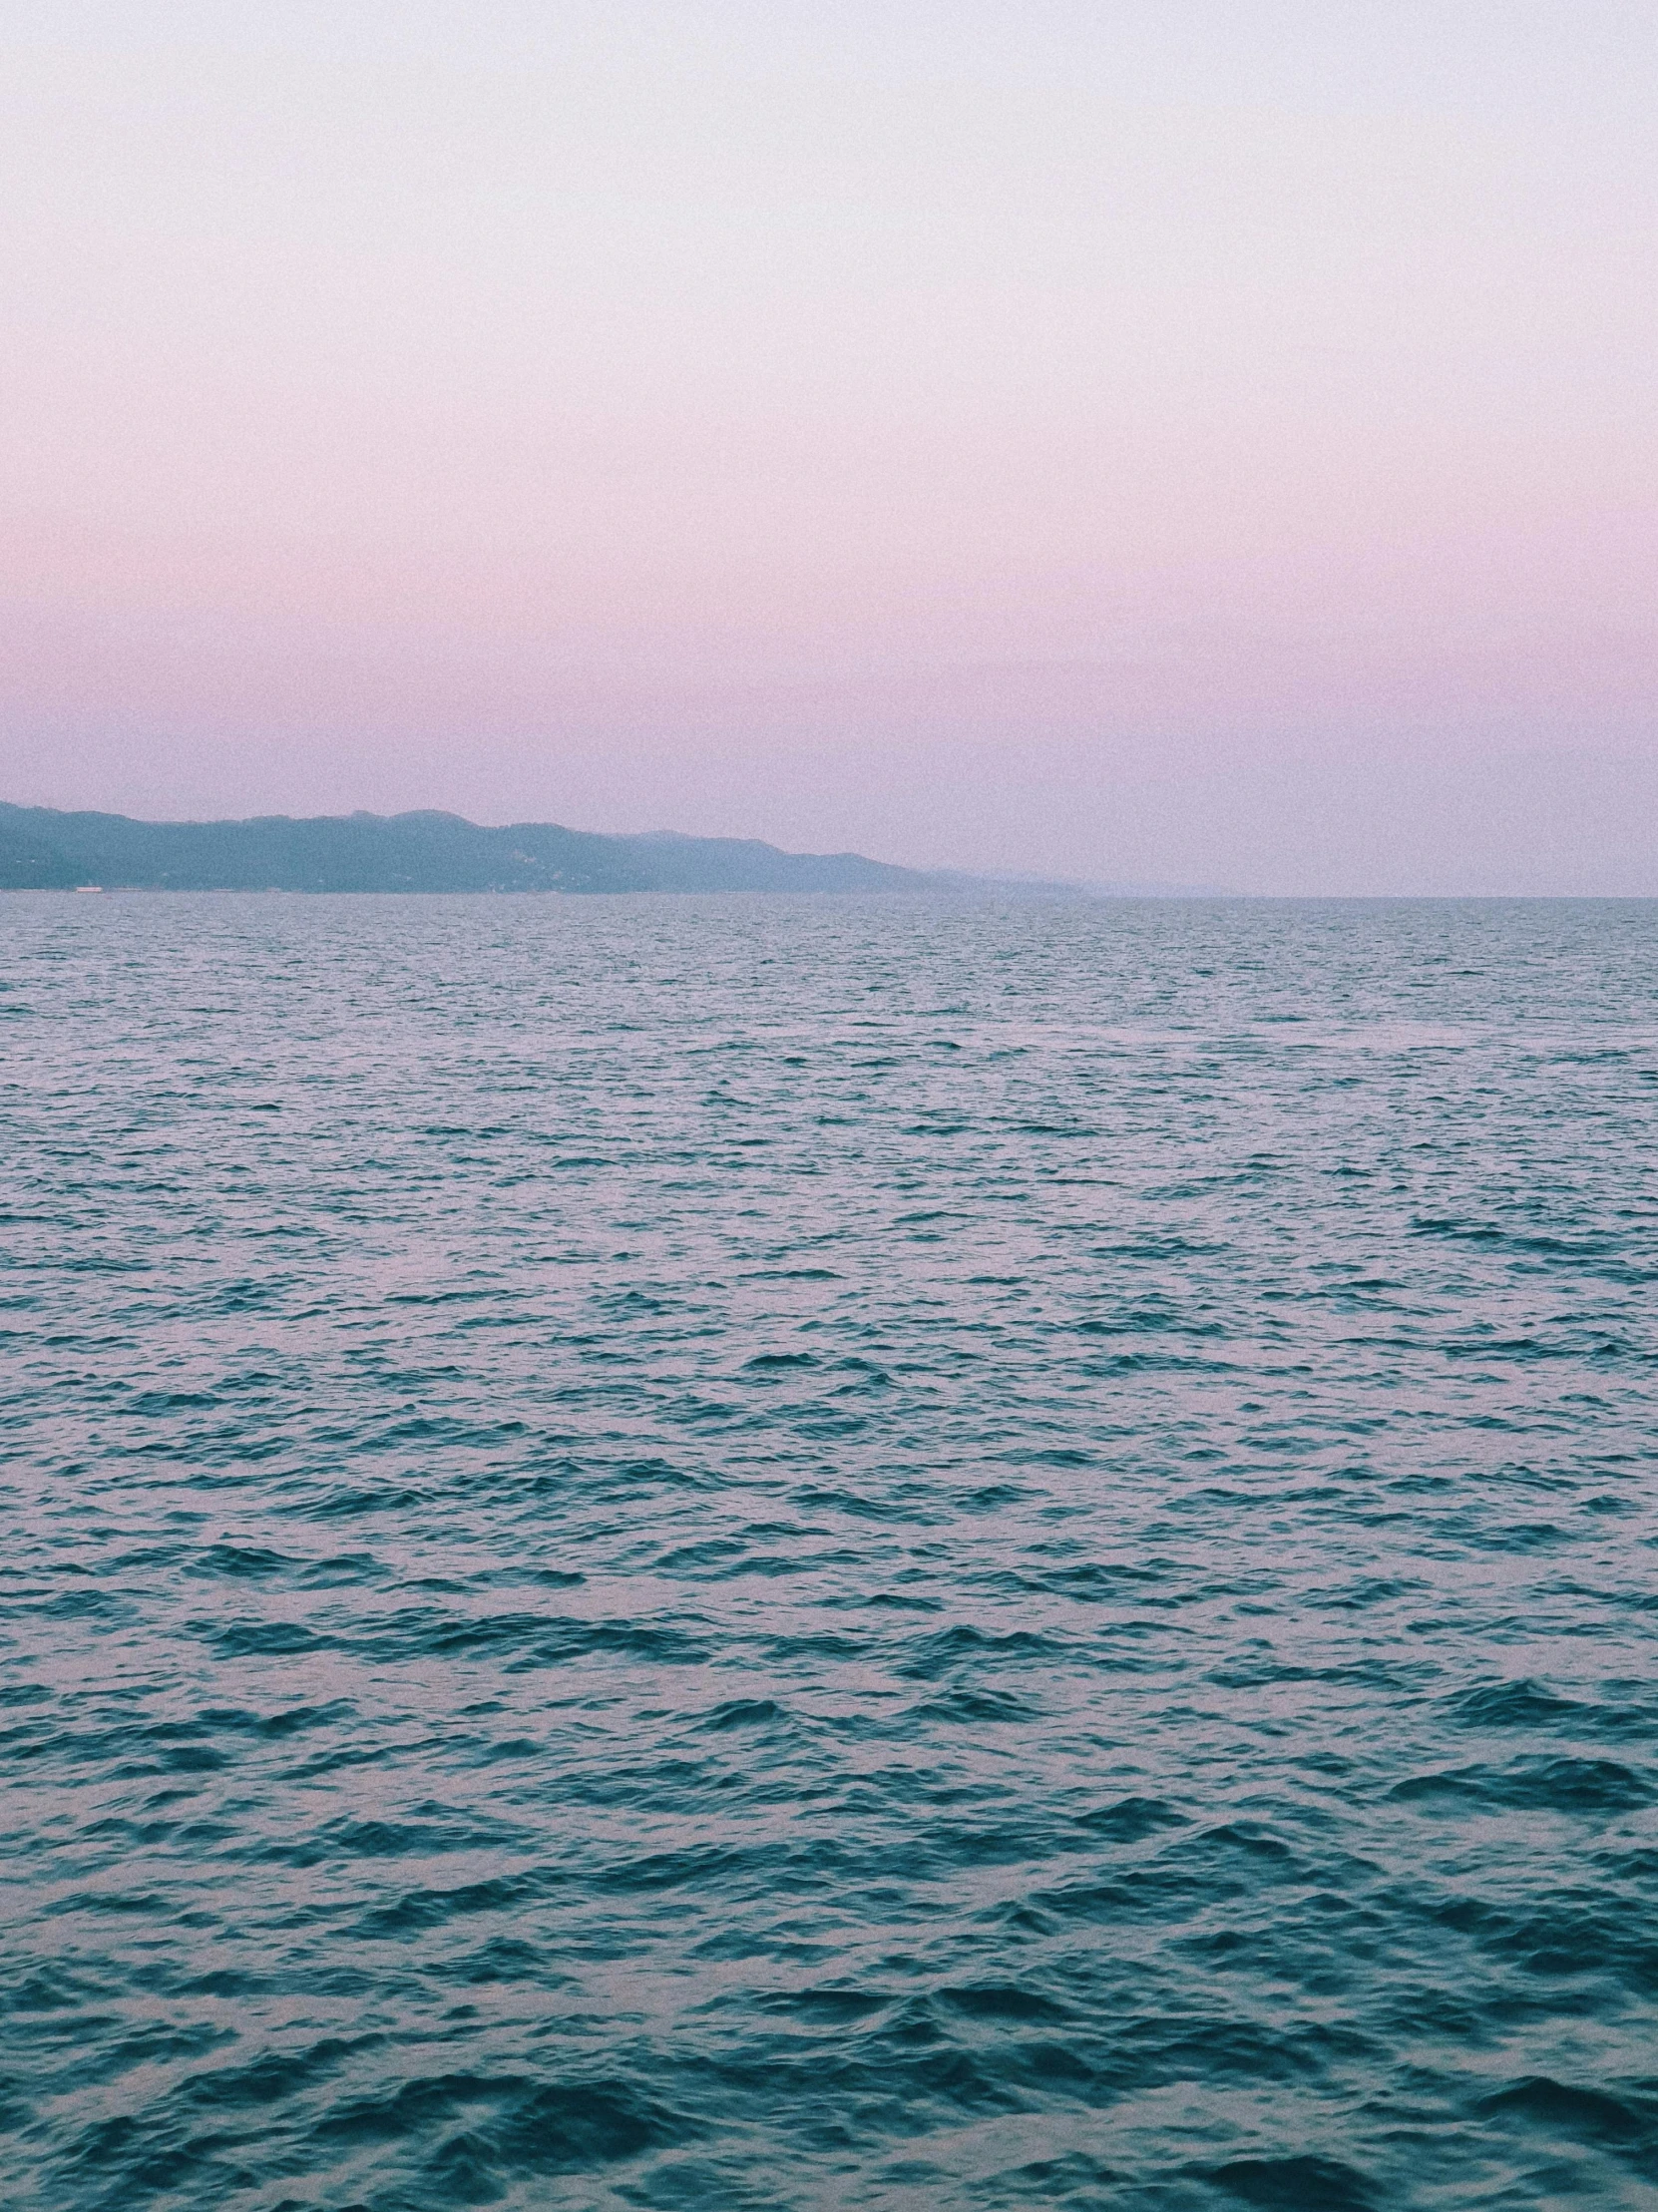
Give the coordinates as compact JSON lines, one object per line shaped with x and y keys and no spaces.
{"x":43,"y":849}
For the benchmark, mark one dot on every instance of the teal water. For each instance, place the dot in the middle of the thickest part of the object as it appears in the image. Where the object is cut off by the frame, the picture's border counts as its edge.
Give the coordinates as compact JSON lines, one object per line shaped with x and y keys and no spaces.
{"x":791,"y":1553}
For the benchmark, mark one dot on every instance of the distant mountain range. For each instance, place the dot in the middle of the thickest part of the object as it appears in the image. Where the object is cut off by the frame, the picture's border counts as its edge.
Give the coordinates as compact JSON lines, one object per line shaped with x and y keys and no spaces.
{"x":44,"y":850}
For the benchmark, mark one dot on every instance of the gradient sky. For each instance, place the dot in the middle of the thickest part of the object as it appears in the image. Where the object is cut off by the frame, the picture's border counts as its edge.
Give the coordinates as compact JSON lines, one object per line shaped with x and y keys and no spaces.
{"x":1199,"y":440}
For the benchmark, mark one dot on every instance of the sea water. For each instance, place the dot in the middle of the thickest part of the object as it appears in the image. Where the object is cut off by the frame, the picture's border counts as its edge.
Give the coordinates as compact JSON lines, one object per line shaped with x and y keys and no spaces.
{"x":798,"y":1554}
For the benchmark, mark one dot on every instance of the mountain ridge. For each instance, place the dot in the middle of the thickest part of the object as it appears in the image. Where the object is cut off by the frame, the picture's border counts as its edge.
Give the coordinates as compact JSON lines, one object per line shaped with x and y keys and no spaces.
{"x":47,"y":849}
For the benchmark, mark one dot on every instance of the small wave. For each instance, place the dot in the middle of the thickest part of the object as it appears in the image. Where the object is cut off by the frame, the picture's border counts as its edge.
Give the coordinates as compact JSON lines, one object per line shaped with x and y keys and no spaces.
{"x":1565,"y":1785}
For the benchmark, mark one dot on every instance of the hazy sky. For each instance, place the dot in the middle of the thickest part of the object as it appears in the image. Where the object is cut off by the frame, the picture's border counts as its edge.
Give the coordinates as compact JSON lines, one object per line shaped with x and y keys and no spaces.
{"x":1208,"y":440}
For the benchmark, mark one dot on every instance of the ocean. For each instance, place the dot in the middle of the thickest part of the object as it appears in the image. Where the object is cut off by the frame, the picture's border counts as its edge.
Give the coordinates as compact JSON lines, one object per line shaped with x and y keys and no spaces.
{"x":783,"y":1553}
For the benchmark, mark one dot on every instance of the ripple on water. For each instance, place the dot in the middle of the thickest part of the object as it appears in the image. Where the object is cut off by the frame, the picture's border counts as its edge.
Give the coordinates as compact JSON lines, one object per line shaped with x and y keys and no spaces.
{"x":810,"y":1553}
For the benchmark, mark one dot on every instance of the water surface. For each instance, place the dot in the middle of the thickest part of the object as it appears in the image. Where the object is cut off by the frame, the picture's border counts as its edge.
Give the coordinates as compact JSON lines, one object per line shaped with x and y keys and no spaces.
{"x":792,"y":1554}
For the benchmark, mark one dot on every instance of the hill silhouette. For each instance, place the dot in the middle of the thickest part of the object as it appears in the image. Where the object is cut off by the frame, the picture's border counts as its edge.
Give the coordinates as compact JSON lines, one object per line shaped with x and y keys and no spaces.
{"x":42,"y":849}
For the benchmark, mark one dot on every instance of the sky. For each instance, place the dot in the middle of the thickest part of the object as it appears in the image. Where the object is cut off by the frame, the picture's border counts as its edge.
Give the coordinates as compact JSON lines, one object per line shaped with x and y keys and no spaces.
{"x":1208,"y":442}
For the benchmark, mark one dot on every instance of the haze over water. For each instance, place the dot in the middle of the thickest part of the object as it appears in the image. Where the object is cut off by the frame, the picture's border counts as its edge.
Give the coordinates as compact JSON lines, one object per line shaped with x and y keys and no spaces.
{"x":803,"y":1553}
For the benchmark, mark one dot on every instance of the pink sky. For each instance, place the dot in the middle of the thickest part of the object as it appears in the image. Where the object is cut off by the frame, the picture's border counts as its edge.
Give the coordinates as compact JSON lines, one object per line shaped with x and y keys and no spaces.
{"x":1198,"y":442}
